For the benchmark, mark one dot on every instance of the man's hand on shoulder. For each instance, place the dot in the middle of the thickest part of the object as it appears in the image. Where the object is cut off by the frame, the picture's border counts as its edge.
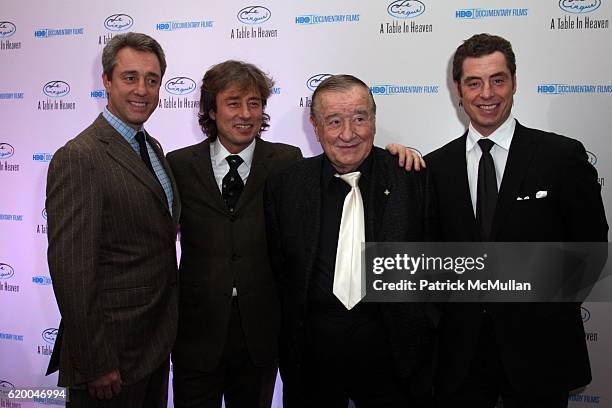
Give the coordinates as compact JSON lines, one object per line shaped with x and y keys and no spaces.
{"x":105,"y":387}
{"x":407,"y":157}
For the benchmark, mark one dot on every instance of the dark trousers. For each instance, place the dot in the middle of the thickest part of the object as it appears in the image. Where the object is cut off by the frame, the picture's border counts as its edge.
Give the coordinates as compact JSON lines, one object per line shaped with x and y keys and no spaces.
{"x":237,"y":380}
{"x":349,"y":360}
{"x":150,"y":392}
{"x":487,"y":383}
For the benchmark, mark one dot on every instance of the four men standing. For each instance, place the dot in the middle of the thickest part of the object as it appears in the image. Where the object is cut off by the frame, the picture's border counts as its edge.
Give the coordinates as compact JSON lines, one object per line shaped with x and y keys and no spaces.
{"x":116,"y":282}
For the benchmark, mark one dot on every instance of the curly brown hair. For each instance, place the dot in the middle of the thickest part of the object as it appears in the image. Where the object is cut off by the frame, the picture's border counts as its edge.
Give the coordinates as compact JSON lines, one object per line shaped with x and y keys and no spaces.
{"x":223,"y":75}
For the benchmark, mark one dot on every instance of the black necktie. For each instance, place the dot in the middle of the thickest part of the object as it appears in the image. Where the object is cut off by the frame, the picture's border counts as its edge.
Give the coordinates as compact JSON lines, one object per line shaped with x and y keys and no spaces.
{"x":486,"y":194}
{"x":232,"y":184}
{"x":144,"y":153}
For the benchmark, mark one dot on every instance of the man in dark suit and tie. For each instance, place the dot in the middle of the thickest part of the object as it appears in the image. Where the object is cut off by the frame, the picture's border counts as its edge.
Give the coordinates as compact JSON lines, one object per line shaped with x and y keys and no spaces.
{"x":112,"y":212}
{"x":228,"y":311}
{"x":502,"y":181}
{"x":332,"y":346}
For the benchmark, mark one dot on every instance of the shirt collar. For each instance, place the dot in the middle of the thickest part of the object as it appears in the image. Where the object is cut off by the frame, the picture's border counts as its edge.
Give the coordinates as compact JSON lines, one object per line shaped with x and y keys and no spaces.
{"x":329,"y":171}
{"x":502,"y":136}
{"x":120,"y":126}
{"x":219,"y":152}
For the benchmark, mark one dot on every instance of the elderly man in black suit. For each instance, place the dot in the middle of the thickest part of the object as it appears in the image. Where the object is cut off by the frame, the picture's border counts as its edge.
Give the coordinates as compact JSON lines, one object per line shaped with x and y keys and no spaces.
{"x":502,"y":181}
{"x":332,"y":346}
{"x":113,"y":211}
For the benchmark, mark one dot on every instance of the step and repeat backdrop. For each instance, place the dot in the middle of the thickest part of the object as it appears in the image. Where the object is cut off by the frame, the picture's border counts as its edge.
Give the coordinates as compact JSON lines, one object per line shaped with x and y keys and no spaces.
{"x":51,"y":89}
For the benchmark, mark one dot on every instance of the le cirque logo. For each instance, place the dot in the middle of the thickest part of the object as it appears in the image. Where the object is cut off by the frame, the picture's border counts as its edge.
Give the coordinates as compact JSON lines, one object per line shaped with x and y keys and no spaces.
{"x":118,"y":22}
{"x":254,"y":15}
{"x":579,"y":6}
{"x":406,"y":8}
{"x":180,"y":86}
{"x":313,"y":82}
{"x":5,"y":387}
{"x":7,"y":29}
{"x":56,"y":89}
{"x":6,"y":271}
{"x":49,"y":335}
{"x":6,"y":150}
{"x":585,"y":313}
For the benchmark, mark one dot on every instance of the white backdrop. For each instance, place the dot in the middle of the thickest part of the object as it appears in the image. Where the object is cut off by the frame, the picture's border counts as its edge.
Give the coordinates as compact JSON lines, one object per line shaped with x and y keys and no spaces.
{"x":51,"y":89}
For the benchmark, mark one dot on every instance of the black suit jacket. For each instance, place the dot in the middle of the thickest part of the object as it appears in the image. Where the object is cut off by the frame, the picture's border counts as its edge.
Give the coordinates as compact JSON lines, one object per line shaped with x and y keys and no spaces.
{"x":542,"y":346}
{"x":112,"y":258}
{"x":293,"y":205}
{"x":221,"y":250}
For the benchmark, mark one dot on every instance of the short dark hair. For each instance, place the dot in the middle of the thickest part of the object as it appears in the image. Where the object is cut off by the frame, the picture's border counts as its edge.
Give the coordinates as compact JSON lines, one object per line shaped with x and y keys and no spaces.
{"x":136,"y":41}
{"x":480,"y":45}
{"x":342,"y":82}
{"x":219,"y":77}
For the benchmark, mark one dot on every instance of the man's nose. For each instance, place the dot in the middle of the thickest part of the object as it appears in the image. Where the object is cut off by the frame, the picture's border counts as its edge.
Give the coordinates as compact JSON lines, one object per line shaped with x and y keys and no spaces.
{"x":487,"y":90}
{"x":245,"y":112}
{"x":141,"y":87}
{"x":346,"y":133}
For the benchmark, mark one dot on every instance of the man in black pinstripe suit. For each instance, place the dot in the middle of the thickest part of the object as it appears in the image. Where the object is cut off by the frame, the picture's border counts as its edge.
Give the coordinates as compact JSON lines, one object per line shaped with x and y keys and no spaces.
{"x":112,"y":213}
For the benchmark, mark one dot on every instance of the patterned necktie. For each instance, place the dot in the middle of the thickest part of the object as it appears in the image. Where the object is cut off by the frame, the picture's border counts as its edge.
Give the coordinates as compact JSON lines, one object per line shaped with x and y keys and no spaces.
{"x":232,"y":184}
{"x":348,"y":286}
{"x":144,"y":152}
{"x":486,"y":193}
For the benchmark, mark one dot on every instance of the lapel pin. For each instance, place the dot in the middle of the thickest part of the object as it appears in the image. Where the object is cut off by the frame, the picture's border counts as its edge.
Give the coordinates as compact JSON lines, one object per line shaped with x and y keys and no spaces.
{"x":387,"y":192}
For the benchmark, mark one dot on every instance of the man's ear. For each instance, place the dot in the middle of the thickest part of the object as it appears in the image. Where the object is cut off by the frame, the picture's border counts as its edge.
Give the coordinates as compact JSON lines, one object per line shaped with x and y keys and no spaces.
{"x":513,"y":84}
{"x":458,"y":89}
{"x":107,"y":82}
{"x":313,"y":122}
{"x":212,"y":114}
{"x":459,"y":92}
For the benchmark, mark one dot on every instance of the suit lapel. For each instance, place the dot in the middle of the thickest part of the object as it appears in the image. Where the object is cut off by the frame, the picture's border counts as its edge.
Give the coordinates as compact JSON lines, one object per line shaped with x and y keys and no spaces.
{"x":176,"y":203}
{"x":310,"y":211}
{"x":379,"y":192}
{"x":262,"y":157}
{"x":120,"y":150}
{"x":520,"y":155}
{"x":204,"y":172}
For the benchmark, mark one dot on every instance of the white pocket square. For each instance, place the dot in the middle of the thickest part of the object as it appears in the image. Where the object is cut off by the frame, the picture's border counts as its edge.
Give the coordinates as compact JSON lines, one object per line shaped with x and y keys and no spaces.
{"x":541,"y":194}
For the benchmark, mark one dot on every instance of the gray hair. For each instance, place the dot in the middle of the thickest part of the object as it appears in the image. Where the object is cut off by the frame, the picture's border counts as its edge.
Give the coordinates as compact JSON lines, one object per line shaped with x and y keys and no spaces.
{"x":136,"y":41}
{"x":340,"y":83}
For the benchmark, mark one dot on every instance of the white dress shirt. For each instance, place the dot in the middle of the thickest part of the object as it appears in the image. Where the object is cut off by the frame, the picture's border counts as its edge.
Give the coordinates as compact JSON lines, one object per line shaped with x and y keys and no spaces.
{"x":220,"y":166}
{"x":502,"y":137}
